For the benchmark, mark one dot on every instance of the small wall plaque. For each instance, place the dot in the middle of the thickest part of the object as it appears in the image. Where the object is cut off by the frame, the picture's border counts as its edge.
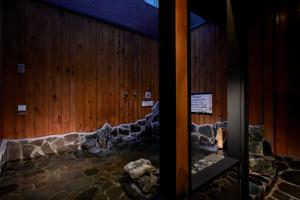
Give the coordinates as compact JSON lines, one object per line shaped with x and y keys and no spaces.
{"x":21,"y":109}
{"x":201,"y":103}
{"x":21,"y":68}
{"x":147,"y":103}
{"x":148,"y":95}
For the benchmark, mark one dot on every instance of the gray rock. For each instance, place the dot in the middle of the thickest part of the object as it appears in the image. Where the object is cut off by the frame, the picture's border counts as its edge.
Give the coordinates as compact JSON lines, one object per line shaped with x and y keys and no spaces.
{"x":58,"y":143}
{"x":135,"y":128}
{"x":27,"y":149}
{"x":206,"y":130}
{"x":36,"y":154}
{"x":51,"y":139}
{"x":267,"y":148}
{"x":118,"y":140}
{"x":155,"y":109}
{"x":71,"y":138}
{"x":105,"y":130}
{"x":141,"y":180}
{"x":114,"y":132}
{"x":130,"y":139}
{"x":92,"y":136}
{"x":47,"y":149}
{"x":24,"y":142}
{"x":136,"y":169}
{"x":148,"y":118}
{"x":256,"y":133}
{"x":14,"y":151}
{"x":147,"y":182}
{"x":194,"y":128}
{"x":124,"y":129}
{"x":261,"y":164}
{"x":95,"y":150}
{"x":141,"y":122}
{"x":256,"y":140}
{"x":102,"y":141}
{"x":88,"y":144}
{"x":132,"y":190}
{"x":37,"y":142}
{"x":68,"y":148}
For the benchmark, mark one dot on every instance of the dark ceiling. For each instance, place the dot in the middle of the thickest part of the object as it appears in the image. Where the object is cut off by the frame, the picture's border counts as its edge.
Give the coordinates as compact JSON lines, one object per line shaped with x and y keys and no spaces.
{"x":211,"y":10}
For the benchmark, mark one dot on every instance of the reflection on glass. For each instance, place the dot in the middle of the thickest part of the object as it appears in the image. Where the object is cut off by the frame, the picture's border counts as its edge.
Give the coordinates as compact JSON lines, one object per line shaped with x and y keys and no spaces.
{"x":208,"y":94}
{"x":208,"y":144}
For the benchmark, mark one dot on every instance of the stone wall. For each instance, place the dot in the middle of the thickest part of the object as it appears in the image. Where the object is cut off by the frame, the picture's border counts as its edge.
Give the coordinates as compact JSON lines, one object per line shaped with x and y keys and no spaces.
{"x":205,"y":134}
{"x":108,"y":137}
{"x":102,"y":138}
{"x":36,"y":147}
{"x":3,"y":154}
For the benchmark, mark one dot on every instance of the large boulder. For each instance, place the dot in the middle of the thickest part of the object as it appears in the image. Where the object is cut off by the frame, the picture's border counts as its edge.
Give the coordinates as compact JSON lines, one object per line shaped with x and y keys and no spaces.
{"x":256,"y":140}
{"x":105,"y":130}
{"x":140,"y":180}
{"x":89,"y":143}
{"x":138,"y":168}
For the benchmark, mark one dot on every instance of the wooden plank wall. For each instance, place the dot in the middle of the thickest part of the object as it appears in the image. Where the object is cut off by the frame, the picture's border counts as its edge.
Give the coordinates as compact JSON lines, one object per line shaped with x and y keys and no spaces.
{"x":274,"y":73}
{"x":286,"y":73}
{"x":256,"y":68}
{"x":209,"y":70}
{"x":77,"y":71}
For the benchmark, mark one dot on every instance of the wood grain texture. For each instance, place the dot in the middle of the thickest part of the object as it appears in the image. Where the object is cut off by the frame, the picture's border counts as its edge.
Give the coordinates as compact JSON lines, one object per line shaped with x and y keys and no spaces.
{"x":281,"y":90}
{"x":181,"y":62}
{"x":77,"y":71}
{"x":209,"y":70}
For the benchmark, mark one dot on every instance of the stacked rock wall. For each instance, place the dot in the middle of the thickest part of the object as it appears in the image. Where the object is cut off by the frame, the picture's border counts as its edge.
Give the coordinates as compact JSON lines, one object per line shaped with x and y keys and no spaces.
{"x":108,"y":137}
{"x":3,"y":154}
{"x":103,"y":138}
{"x":36,"y":147}
{"x":205,"y":134}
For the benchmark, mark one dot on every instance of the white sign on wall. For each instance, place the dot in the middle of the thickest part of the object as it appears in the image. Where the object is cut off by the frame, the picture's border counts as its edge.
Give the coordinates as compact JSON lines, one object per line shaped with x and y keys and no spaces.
{"x":201,"y":103}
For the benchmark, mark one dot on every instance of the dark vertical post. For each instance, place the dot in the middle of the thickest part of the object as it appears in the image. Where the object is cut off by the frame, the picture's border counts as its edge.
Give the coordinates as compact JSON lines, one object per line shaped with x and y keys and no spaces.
{"x":237,"y":89}
{"x":167,"y":96}
{"x":173,"y":97}
{"x":1,"y":68}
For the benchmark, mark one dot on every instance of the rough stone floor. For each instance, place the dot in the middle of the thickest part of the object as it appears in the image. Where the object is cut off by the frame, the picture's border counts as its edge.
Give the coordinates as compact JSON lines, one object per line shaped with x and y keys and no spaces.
{"x":287,"y":187}
{"x":226,"y":187}
{"x":75,"y":175}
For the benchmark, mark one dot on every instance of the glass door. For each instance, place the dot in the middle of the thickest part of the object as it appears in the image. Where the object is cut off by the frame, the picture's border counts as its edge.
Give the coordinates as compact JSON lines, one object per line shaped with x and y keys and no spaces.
{"x":216,"y":98}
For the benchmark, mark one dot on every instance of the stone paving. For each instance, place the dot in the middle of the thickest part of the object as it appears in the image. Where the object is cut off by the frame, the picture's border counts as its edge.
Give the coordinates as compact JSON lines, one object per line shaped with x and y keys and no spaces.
{"x":287,"y":187}
{"x":225,"y":187}
{"x":77,"y":175}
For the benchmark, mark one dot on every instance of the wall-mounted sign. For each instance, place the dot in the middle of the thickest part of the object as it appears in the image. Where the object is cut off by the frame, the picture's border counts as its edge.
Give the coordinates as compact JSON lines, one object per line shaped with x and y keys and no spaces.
{"x":147,"y":103}
{"x":201,"y":103}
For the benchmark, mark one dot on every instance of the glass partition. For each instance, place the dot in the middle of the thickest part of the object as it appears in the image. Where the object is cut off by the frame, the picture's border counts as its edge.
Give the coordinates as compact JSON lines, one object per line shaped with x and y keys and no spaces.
{"x":211,"y":143}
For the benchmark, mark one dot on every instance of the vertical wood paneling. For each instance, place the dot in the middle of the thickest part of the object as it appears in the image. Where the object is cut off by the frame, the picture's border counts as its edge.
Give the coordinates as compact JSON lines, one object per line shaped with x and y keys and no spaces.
{"x":208,"y":70}
{"x":9,"y":71}
{"x":79,"y":74}
{"x":181,"y":91}
{"x":19,"y":83}
{"x":281,"y":85}
{"x":39,"y":72}
{"x":255,"y":68}
{"x":56,"y":65}
{"x":77,"y":70}
{"x":47,"y":68}
{"x":65,"y":74}
{"x":29,"y":75}
{"x":268,"y":71}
